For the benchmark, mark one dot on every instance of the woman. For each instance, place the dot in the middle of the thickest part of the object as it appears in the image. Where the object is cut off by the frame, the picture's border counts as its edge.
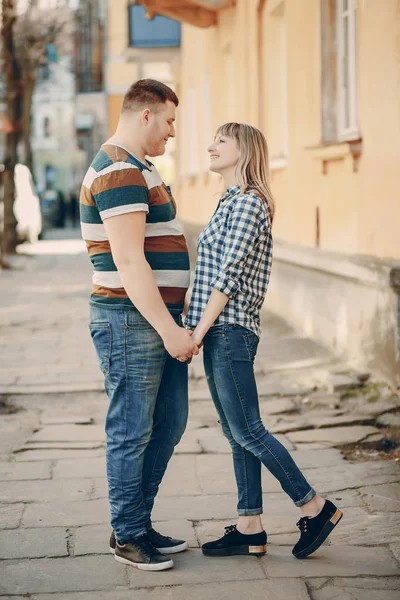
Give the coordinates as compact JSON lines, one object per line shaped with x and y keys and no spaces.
{"x":232,"y":273}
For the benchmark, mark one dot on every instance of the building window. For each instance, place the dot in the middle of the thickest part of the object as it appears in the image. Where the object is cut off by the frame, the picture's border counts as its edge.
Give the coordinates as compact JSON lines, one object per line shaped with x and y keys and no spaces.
{"x":43,"y":72}
{"x":347,"y":68}
{"x":46,"y":127}
{"x":159,"y":32}
{"x":89,"y":42}
{"x":274,"y":82}
{"x":339,"y":71}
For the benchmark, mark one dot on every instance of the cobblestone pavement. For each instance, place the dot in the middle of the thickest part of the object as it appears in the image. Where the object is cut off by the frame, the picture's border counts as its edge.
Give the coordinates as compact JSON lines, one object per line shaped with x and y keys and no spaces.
{"x":53,"y":509}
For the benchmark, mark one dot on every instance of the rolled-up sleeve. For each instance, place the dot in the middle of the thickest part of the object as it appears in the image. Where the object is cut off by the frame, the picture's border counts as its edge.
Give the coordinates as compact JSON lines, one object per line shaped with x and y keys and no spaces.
{"x":245,"y":224}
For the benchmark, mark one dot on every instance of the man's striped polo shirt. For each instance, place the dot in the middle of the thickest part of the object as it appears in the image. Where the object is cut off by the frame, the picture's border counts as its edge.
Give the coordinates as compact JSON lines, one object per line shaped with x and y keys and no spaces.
{"x":117,"y":183}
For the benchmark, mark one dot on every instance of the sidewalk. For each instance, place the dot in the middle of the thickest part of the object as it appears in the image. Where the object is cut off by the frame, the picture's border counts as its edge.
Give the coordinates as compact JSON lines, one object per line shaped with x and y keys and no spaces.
{"x":53,"y":509}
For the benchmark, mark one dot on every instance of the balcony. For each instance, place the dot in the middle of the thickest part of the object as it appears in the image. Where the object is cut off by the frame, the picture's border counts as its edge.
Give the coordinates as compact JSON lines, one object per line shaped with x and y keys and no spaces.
{"x":201,"y":13}
{"x":159,"y":32}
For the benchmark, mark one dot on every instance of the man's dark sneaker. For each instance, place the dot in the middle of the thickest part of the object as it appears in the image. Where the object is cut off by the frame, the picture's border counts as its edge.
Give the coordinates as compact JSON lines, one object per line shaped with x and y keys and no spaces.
{"x":315,"y":530}
{"x":163,"y":543}
{"x":166,"y":544}
{"x":234,"y":542}
{"x":113,"y":542}
{"x":141,"y":553}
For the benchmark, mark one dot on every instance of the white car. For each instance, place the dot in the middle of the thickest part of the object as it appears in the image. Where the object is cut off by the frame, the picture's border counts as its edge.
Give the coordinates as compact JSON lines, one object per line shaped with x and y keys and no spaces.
{"x":26,"y":205}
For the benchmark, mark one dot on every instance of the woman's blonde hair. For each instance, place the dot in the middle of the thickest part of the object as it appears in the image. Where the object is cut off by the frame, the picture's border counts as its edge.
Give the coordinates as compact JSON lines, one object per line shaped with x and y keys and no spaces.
{"x":252,"y":168}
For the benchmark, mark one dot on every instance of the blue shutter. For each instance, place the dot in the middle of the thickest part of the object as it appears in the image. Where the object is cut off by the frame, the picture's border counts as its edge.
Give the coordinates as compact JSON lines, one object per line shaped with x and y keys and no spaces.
{"x":160,"y":32}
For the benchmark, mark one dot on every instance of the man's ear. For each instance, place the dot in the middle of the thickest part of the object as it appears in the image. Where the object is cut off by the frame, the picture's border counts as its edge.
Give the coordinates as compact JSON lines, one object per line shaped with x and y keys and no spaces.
{"x":145,"y":117}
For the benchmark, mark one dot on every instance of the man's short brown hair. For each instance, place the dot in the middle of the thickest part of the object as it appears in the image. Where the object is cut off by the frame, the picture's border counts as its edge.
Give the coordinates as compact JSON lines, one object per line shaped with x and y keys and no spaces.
{"x":148,"y":93}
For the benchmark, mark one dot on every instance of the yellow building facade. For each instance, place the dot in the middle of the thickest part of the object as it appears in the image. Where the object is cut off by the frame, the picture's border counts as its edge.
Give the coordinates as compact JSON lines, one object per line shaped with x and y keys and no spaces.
{"x":321,"y":79}
{"x":262,"y":64}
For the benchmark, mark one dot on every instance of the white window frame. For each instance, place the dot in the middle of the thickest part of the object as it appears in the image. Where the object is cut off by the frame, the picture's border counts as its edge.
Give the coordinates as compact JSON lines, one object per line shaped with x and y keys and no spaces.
{"x":281,"y":161}
{"x":347,"y":70}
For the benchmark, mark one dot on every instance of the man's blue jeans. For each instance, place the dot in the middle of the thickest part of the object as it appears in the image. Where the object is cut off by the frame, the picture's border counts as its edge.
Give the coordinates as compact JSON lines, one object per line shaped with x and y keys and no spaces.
{"x":147,"y":414}
{"x":229,"y":352}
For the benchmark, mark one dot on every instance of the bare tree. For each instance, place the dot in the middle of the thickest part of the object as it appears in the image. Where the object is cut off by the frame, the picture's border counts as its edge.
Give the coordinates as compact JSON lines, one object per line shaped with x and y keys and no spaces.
{"x":12,"y":80}
{"x":35,"y":29}
{"x":25,"y":39}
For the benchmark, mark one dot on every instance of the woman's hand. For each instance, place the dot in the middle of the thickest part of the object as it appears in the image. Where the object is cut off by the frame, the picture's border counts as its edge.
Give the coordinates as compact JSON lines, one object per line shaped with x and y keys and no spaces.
{"x":197,"y":338}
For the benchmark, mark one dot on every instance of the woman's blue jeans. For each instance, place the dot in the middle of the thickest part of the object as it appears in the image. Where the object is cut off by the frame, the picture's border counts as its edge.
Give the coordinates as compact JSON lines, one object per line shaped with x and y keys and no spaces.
{"x":229,"y":352}
{"x":147,"y":414}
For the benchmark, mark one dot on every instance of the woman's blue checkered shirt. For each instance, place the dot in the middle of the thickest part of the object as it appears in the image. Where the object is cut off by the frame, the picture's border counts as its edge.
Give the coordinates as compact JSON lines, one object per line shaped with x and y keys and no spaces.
{"x":234,"y":256}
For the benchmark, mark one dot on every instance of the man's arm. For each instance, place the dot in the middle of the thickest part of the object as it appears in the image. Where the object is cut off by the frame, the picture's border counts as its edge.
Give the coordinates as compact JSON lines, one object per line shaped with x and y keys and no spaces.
{"x":126,"y":236}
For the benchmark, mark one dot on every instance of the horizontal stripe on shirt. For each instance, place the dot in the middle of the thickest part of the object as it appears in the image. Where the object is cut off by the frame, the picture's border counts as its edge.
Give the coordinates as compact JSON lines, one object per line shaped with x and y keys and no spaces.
{"x":159,"y":261}
{"x":123,"y":210}
{"x":129,"y":194}
{"x":171,"y":295}
{"x":93,"y":232}
{"x":172,"y":227}
{"x":112,"y":279}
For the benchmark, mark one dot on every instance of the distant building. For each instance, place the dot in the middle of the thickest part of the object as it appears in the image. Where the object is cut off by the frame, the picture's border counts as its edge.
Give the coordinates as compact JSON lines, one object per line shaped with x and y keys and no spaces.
{"x":54,"y":141}
{"x":89,"y":60}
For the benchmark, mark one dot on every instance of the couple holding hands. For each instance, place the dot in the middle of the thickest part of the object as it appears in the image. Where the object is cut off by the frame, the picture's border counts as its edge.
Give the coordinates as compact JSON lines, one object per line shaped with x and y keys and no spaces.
{"x":140,"y":279}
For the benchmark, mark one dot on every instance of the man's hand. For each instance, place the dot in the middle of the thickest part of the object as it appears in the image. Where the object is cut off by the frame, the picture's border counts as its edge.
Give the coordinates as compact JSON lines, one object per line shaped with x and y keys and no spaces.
{"x":179,"y":344}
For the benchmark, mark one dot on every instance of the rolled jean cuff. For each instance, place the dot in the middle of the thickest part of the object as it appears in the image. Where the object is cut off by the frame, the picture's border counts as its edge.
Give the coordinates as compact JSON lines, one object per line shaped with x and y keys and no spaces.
{"x":127,"y":540}
{"x":248,"y":512}
{"x":306,"y":498}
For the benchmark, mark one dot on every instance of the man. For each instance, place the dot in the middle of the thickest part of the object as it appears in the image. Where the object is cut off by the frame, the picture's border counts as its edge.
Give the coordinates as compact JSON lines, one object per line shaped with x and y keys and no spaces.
{"x":141,"y":275}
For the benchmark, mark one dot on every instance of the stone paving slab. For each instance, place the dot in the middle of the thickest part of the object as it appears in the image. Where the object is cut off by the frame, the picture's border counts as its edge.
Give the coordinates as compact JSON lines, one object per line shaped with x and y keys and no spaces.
{"x":30,"y":445}
{"x":10,"y":515}
{"x":334,"y":436}
{"x":47,"y":490}
{"x":10,"y":471}
{"x":66,"y":514}
{"x":290,"y":423}
{"x":283,"y":539}
{"x":86,"y":467}
{"x":156,"y":593}
{"x":277,"y":406}
{"x":251,"y":590}
{"x":70,"y":433}
{"x":56,"y":454}
{"x":307,"y":459}
{"x":395,"y":548}
{"x":31,"y":543}
{"x":332,"y":561}
{"x":181,"y":477}
{"x":345,"y":498}
{"x":360,"y":528}
{"x":189,"y":444}
{"x":61,"y":575}
{"x":66,"y":420}
{"x":192,"y":567}
{"x":368,"y":583}
{"x":277,"y":589}
{"x":334,"y":592}
{"x":346,"y":475}
{"x":216,"y":476}
{"x":385,"y":497}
